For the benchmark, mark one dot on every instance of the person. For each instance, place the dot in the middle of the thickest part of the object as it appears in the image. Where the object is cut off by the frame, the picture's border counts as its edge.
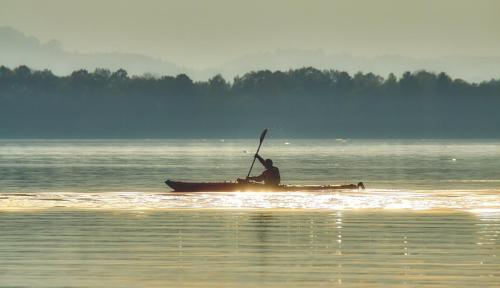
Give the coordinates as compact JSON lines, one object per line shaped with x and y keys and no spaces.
{"x":271,"y":176}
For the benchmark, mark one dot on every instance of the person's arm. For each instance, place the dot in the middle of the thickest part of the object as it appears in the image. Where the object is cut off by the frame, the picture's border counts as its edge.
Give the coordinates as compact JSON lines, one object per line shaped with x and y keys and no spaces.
{"x":261,"y":160}
{"x":259,"y":178}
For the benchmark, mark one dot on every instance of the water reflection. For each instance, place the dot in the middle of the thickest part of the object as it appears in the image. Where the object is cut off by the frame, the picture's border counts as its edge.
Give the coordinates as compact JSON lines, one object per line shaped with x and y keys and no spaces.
{"x":248,"y":248}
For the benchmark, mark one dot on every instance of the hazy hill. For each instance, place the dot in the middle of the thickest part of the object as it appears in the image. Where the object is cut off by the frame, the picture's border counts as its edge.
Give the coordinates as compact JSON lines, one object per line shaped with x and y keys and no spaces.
{"x":473,"y":69}
{"x":18,"y":49}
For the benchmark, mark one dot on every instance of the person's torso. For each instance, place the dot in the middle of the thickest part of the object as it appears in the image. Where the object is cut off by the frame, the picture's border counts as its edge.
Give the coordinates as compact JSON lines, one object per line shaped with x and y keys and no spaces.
{"x":272,"y":176}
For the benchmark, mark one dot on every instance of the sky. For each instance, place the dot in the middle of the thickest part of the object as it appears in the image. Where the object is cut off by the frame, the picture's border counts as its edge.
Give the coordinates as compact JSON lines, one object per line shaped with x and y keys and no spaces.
{"x":201,"y":34}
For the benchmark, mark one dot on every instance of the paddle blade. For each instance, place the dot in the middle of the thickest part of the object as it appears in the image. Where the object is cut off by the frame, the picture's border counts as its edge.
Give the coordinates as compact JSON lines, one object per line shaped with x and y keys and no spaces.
{"x":263,"y":135}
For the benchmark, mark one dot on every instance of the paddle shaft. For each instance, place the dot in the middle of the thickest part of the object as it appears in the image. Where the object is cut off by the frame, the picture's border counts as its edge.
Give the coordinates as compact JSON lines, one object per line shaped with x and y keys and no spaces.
{"x":258,"y":149}
{"x":253,"y":162}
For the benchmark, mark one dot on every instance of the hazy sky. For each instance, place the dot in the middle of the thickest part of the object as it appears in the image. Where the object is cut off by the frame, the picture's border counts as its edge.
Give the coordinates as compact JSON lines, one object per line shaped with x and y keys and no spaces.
{"x":200,"y":33}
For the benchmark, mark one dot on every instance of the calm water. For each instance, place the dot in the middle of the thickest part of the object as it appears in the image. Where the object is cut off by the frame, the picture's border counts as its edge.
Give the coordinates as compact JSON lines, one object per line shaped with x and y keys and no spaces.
{"x":97,"y":214}
{"x":206,"y":248}
{"x":142,"y":165}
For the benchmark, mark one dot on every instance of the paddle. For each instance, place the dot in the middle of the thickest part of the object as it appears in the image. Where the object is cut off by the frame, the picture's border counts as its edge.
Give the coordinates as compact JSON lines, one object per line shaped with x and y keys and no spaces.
{"x":262,"y":136}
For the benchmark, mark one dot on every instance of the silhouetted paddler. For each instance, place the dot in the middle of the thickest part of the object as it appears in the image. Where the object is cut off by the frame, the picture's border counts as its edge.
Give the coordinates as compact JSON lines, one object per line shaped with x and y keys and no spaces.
{"x":271,"y":176}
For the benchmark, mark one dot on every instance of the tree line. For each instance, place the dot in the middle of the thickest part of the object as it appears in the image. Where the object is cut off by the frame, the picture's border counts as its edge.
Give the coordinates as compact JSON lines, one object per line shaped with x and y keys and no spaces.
{"x":304,"y":102}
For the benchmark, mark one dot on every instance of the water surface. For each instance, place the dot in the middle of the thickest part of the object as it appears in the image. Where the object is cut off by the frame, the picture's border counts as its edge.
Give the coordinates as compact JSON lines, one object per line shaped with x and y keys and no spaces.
{"x":96,"y":213}
{"x":143,"y":165}
{"x":208,"y":248}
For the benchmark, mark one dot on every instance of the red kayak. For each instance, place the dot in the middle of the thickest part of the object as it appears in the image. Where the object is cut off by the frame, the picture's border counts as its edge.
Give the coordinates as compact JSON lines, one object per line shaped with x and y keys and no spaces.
{"x":179,"y":186}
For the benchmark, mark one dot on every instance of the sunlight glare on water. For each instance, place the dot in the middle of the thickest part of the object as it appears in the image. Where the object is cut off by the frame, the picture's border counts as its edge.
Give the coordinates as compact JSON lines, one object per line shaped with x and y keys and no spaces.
{"x":343,"y":200}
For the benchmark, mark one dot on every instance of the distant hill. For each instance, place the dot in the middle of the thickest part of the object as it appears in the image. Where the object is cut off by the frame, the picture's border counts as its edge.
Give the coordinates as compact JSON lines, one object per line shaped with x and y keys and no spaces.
{"x":475,"y":69}
{"x":18,"y":49}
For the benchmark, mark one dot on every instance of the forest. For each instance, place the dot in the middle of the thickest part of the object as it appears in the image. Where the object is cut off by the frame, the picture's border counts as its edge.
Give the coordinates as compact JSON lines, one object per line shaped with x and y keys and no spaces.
{"x":304,"y":102}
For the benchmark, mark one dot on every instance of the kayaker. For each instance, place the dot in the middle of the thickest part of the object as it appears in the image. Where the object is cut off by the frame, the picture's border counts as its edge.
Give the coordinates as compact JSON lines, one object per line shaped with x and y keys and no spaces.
{"x":271,"y":176}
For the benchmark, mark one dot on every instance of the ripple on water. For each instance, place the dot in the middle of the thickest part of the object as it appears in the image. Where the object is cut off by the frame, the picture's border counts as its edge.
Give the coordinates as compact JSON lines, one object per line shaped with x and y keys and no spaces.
{"x":249,"y":248}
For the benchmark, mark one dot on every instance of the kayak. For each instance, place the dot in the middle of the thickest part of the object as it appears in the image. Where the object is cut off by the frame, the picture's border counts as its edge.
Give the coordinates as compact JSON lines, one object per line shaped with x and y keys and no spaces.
{"x":179,"y":186}
{"x":243,"y":185}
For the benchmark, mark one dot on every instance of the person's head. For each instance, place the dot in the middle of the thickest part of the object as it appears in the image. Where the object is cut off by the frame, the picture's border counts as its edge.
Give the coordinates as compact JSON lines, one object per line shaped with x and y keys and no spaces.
{"x":268,"y":163}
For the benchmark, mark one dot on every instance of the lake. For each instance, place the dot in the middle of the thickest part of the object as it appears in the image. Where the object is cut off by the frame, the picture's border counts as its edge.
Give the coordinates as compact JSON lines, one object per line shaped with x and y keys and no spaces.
{"x":96,"y":213}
